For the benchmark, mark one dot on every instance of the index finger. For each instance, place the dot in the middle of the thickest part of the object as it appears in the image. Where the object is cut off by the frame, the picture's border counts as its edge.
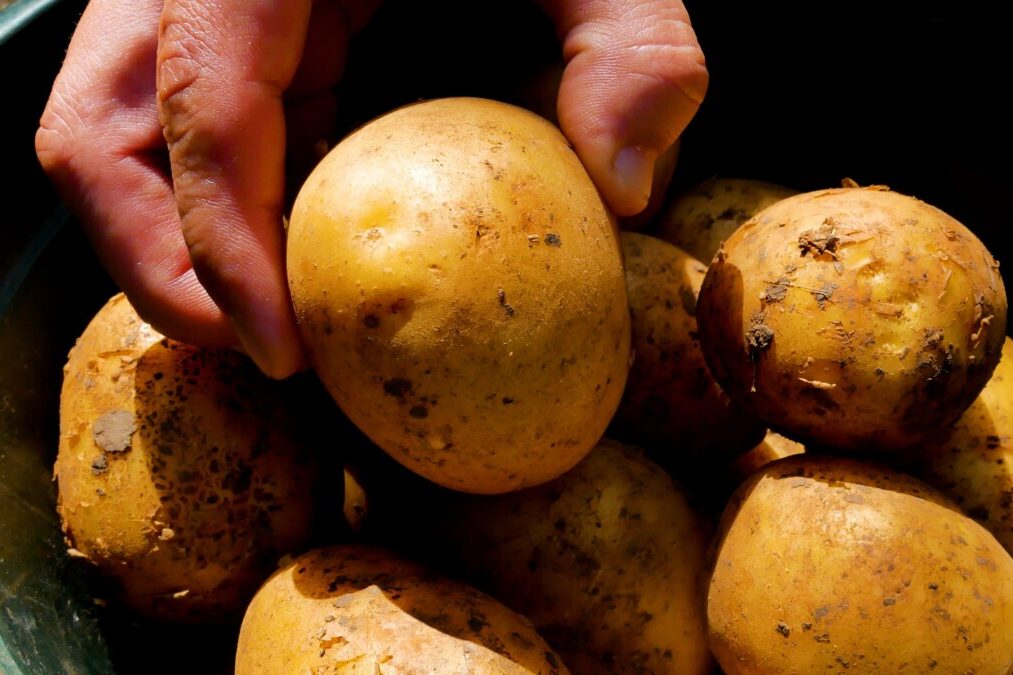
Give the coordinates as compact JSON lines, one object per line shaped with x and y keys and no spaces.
{"x":222,"y":68}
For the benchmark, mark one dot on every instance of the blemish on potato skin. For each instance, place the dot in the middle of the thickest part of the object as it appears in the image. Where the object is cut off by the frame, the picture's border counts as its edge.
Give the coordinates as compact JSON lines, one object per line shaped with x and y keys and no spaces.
{"x":398,"y":387}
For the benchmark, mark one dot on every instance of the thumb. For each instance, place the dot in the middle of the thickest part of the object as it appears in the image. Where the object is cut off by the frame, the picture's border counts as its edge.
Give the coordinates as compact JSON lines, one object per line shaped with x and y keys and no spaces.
{"x":635,"y":77}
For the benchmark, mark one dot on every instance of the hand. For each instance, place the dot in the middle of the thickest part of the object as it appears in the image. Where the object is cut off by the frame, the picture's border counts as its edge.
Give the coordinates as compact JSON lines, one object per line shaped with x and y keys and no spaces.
{"x":195,"y":238}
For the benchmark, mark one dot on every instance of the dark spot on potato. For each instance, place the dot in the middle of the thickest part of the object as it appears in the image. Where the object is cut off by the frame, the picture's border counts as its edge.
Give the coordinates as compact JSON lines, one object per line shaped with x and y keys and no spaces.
{"x":783,"y":629}
{"x":238,"y":479}
{"x":552,"y":239}
{"x":476,"y":622}
{"x":99,"y":465}
{"x":507,"y":400}
{"x":889,"y":601}
{"x":371,"y":320}
{"x":398,"y":387}
{"x":419,"y":412}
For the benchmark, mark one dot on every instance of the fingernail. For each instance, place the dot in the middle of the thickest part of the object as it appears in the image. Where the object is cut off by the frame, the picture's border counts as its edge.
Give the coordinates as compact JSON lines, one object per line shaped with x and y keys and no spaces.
{"x":634,"y":166}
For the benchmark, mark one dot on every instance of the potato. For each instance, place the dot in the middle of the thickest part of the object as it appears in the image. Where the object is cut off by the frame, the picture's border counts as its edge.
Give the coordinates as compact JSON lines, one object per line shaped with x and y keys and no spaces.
{"x":854,"y":318}
{"x":701,"y":218}
{"x":773,"y":447}
{"x":973,"y":460}
{"x":352,"y":609}
{"x":672,"y":404}
{"x":607,"y":561}
{"x":181,"y":473}
{"x":831,"y":565}
{"x":459,"y":285}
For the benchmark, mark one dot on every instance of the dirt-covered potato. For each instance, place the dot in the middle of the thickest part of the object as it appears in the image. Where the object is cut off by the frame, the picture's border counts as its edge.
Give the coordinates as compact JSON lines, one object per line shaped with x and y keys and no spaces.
{"x":855,"y":318}
{"x":181,"y":475}
{"x":973,"y":460}
{"x":830,"y":565}
{"x":459,"y":284}
{"x":607,"y":561}
{"x":701,"y":218}
{"x":356,"y":609}
{"x":672,"y":405}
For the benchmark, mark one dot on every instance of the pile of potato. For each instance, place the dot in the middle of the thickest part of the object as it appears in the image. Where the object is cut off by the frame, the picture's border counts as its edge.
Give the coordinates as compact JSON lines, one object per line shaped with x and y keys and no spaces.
{"x":774,"y":438}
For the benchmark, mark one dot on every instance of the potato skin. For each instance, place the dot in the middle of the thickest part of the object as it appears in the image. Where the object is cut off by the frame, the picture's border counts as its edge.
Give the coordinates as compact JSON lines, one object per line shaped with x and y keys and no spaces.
{"x":180,"y":474}
{"x":459,"y":284}
{"x":854,"y":318}
{"x":700,"y":219}
{"x":672,"y":405}
{"x":831,"y":565}
{"x":973,"y":460}
{"x":773,"y":447}
{"x":352,"y":609}
{"x":607,"y":561}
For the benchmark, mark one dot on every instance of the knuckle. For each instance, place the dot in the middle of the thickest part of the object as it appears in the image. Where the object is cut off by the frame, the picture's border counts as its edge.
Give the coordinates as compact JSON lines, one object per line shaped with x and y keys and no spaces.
{"x":179,"y":97}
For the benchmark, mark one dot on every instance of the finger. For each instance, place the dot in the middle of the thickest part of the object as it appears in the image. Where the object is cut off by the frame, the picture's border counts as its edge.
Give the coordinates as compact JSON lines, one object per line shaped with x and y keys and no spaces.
{"x":221,"y":72}
{"x":634,"y":78}
{"x":100,"y":142}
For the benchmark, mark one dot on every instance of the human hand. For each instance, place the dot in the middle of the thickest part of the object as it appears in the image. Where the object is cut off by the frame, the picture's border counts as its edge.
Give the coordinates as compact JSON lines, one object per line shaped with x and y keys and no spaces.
{"x":194,"y":236}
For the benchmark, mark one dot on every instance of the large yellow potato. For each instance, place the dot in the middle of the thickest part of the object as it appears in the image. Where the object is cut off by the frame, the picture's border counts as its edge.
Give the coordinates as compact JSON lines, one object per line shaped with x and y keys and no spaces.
{"x":181,"y":472}
{"x":700,"y":219}
{"x":459,"y":284}
{"x":973,"y":460}
{"x":856,"y":318}
{"x":672,"y":405}
{"x":831,"y":565}
{"x":356,"y":609}
{"x":608,"y":561}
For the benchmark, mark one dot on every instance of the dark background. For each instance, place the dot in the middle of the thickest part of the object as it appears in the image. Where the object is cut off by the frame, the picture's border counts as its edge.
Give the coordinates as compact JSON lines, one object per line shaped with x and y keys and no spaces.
{"x":804,"y":93}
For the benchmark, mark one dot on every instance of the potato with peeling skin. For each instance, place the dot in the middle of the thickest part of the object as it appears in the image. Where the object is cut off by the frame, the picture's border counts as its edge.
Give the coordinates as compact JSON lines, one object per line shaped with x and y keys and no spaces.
{"x":608,"y":561}
{"x":356,"y":609}
{"x":831,"y":565}
{"x":854,"y":318}
{"x":973,"y":460}
{"x":703,"y":217}
{"x":459,"y":284}
{"x":180,"y":471}
{"x":672,"y":405}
